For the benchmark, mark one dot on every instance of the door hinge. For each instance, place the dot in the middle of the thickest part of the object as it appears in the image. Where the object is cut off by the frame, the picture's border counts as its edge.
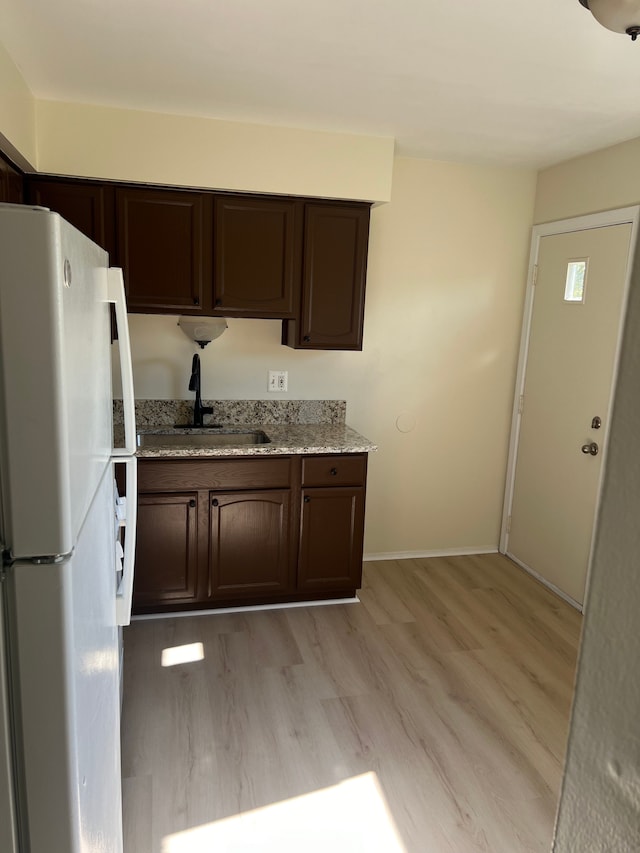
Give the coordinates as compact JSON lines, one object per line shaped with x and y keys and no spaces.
{"x":509,"y":524}
{"x":521,"y":404}
{"x":534,"y":280}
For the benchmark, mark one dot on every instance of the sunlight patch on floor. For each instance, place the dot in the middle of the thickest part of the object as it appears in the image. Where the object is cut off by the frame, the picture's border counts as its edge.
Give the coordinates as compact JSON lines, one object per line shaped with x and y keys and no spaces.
{"x":182,"y":654}
{"x":350,"y":816}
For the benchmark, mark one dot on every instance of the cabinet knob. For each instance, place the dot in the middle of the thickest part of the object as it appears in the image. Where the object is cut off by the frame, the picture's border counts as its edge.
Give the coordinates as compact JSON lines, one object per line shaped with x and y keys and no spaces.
{"x":307,"y":339}
{"x":218,"y":301}
{"x":196,"y":301}
{"x":192,"y":502}
{"x":214,"y":502}
{"x":307,"y":499}
{"x":333,"y":472}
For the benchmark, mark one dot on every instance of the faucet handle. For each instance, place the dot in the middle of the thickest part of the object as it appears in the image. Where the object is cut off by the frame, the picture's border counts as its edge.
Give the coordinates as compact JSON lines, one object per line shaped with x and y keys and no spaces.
{"x":207,"y":410}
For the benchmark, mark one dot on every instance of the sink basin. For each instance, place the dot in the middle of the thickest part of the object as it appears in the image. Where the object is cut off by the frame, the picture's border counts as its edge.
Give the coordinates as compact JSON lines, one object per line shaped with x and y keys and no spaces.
{"x":211,"y":439}
{"x":197,"y":426}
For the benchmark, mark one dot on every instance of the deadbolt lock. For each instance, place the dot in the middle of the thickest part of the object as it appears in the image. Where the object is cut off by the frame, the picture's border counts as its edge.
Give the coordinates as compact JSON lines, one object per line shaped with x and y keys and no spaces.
{"x":596,"y":423}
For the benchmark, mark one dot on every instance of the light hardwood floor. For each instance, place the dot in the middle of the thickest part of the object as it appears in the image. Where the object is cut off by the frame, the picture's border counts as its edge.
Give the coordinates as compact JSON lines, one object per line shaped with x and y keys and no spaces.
{"x":432,"y":716}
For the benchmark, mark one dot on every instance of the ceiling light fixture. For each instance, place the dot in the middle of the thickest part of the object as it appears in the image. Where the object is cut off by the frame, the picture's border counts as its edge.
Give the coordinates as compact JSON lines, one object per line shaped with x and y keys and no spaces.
{"x":621,"y":16}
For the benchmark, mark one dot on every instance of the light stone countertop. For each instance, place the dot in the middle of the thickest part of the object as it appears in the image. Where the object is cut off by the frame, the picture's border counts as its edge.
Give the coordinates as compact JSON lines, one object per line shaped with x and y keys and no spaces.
{"x":285,"y":439}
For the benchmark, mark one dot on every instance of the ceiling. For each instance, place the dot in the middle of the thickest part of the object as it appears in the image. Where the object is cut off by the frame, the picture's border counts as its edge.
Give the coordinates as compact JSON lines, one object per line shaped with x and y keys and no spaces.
{"x":517,"y":82}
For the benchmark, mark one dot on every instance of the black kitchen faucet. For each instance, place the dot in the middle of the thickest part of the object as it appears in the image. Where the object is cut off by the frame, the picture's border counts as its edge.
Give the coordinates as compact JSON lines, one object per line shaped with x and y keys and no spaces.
{"x":194,"y":385}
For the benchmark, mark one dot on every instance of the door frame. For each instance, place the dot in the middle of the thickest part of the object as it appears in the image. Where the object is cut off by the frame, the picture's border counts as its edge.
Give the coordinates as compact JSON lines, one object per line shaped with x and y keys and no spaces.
{"x":620,"y":216}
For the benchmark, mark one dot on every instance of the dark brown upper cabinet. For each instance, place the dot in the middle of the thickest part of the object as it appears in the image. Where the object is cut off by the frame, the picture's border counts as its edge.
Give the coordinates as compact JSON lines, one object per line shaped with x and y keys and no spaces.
{"x":257,"y":251}
{"x":160,"y":246}
{"x":87,"y":205}
{"x":11,"y":183}
{"x":236,"y":255}
{"x":333,"y":278}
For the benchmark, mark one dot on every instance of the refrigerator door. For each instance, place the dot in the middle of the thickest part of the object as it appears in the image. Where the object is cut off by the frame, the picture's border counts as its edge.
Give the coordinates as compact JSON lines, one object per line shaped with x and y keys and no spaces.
{"x":8,"y":825}
{"x":55,"y":381}
{"x":63,"y":645}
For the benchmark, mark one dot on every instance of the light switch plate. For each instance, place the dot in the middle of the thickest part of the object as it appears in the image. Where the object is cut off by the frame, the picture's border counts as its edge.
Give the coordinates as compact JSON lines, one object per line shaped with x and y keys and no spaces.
{"x":278,"y":381}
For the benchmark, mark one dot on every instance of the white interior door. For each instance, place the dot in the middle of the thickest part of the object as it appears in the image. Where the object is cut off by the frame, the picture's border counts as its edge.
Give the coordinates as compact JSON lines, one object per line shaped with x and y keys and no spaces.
{"x":578,"y":307}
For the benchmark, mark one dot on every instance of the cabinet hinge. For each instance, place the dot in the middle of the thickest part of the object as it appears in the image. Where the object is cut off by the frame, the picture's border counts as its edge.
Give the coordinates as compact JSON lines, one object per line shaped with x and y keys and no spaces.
{"x":521,"y":404}
{"x":535,"y":275}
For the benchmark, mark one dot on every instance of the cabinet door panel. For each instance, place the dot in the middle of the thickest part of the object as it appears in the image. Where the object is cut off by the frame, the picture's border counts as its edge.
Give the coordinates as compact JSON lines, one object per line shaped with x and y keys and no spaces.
{"x":11,"y":183}
{"x":160,"y":247}
{"x":88,"y":206}
{"x":166,"y":549}
{"x":331,"y":541}
{"x":257,"y":256}
{"x":334,"y":273}
{"x":249,"y":542}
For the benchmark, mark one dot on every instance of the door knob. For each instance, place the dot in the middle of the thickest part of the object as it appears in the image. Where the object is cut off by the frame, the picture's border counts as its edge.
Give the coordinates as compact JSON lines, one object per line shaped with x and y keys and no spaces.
{"x":591,"y":448}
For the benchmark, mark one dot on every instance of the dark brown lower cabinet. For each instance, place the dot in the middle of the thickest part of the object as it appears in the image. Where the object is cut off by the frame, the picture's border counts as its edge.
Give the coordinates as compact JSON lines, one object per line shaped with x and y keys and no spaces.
{"x":331,"y":537}
{"x":247,"y":530}
{"x":166,"y":549}
{"x":249,"y":543}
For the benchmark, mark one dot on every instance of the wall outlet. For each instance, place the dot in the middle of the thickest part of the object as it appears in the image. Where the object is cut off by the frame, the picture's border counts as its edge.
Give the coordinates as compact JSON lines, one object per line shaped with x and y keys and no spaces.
{"x":278,"y":380}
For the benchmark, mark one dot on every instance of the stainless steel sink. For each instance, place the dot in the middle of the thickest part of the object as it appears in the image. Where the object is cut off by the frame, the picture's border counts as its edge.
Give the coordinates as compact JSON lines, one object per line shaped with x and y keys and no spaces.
{"x":224,"y":438}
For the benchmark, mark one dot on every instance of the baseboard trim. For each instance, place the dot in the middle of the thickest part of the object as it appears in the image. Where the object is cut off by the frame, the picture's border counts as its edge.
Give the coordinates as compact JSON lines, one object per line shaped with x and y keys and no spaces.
{"x":545,"y":582}
{"x":143,"y":617}
{"x":413,"y":555}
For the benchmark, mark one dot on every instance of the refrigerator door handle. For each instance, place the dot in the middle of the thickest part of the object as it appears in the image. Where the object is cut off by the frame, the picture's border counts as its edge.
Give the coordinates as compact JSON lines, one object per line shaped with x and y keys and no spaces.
{"x":116,"y":295}
{"x":124,"y":598}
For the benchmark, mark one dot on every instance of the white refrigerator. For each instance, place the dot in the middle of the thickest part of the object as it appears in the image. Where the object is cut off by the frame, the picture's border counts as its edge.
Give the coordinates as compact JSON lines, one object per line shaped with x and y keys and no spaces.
{"x":66,"y":583}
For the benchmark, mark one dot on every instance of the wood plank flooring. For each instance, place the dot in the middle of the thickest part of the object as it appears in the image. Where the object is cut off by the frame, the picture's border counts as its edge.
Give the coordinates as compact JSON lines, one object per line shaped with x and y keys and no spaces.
{"x":432,"y":716}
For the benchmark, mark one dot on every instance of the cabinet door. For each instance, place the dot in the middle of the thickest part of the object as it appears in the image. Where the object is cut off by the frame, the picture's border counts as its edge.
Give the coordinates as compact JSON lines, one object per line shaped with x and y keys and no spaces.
{"x":11,"y":183}
{"x":88,"y":206}
{"x":249,"y":543}
{"x":332,"y":539}
{"x":160,"y":247}
{"x":166,"y":550}
{"x":333,"y":278}
{"x":257,"y":256}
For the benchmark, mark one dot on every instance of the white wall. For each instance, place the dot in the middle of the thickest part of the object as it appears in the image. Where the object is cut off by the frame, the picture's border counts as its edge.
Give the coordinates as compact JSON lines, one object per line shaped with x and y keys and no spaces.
{"x":601,"y":180}
{"x":104,"y":142}
{"x":17,"y":109}
{"x":447,"y":267}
